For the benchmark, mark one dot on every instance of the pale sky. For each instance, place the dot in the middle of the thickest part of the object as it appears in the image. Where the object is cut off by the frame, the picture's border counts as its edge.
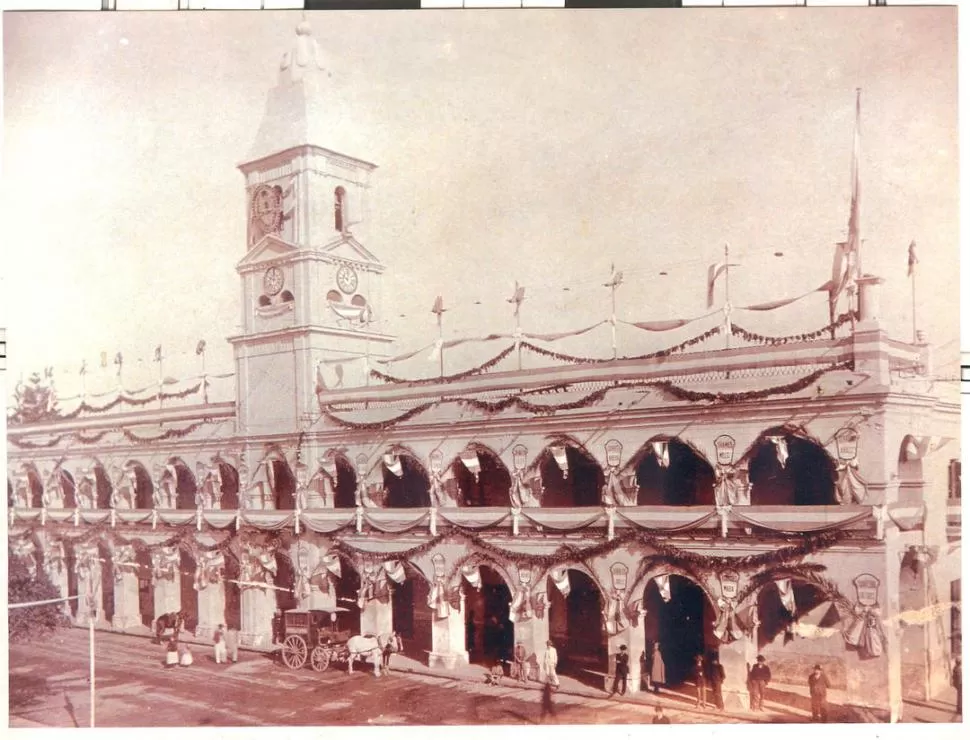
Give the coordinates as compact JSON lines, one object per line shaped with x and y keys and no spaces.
{"x":531,"y":146}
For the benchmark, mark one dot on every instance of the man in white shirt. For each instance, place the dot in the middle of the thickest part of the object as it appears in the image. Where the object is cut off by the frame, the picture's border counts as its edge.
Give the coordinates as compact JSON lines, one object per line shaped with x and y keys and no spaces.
{"x":550,"y":660}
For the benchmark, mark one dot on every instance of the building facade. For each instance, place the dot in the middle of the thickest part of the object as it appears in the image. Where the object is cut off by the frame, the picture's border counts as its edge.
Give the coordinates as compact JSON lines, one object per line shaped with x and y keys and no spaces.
{"x":787,"y":496}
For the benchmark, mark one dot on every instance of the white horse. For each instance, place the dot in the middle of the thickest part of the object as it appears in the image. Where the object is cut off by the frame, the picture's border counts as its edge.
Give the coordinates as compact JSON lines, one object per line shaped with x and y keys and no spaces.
{"x":371,"y":647}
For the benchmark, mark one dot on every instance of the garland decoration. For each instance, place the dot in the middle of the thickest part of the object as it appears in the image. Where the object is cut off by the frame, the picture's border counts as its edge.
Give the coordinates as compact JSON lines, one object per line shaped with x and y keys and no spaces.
{"x":167,"y":434}
{"x":678,"y":392}
{"x":712,"y":332}
{"x":750,"y":336}
{"x":94,"y":439}
{"x":28,"y":445}
{"x":485,"y":366}
{"x":85,"y":407}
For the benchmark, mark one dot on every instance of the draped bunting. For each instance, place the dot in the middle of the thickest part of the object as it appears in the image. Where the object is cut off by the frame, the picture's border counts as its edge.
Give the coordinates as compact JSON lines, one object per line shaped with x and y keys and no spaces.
{"x":850,"y":488}
{"x":165,"y":563}
{"x":792,"y":524}
{"x":393,"y":465}
{"x":781,"y":449}
{"x":613,"y":616}
{"x":786,"y":594}
{"x":473,"y":575}
{"x":123,"y":561}
{"x":473,"y":518}
{"x":394,"y":523}
{"x":772,"y":305}
{"x":526,"y":489}
{"x":636,"y":518}
{"x":619,"y":489}
{"x":564,"y":334}
{"x":659,"y":326}
{"x":727,"y":628}
{"x":443,"y":487}
{"x":441,"y":599}
{"x":54,"y":560}
{"x":750,"y":336}
{"x":374,"y":581}
{"x":661,"y":453}
{"x":731,"y":486}
{"x":87,"y":566}
{"x":469,"y":458}
{"x":209,"y":569}
{"x":663,"y":586}
{"x":560,"y":578}
{"x":865,"y":631}
{"x":327,"y":523}
{"x":561,"y":521}
{"x":257,"y":564}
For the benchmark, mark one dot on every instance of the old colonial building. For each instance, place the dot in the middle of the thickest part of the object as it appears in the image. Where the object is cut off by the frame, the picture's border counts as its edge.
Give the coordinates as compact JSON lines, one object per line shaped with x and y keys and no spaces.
{"x":786,"y":496}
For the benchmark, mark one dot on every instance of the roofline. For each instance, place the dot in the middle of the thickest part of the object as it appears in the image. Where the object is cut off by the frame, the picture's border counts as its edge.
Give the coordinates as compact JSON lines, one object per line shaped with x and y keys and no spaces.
{"x":252,"y":164}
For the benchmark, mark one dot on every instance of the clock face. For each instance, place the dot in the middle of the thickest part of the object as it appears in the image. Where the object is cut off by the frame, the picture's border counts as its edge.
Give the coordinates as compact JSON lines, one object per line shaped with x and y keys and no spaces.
{"x":347,"y":279}
{"x":267,"y":208}
{"x":273,"y":280}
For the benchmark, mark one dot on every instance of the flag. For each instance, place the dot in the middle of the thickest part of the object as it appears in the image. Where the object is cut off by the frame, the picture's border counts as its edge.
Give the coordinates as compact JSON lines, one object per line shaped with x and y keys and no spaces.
{"x":158,"y":353}
{"x":200,"y":347}
{"x":517,"y":297}
{"x":616,"y":277}
{"x":84,"y":368}
{"x":913,"y":261}
{"x":713,"y":273}
{"x":438,"y":307}
{"x":119,"y":360}
{"x":846,"y":260}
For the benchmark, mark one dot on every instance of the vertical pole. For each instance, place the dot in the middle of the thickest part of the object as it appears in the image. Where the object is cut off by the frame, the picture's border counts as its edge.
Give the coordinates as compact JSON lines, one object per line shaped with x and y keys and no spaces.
{"x":441,"y":349}
{"x":91,"y":667}
{"x":518,"y":342}
{"x":913,"y":283}
{"x":205,"y":381}
{"x":613,"y":301}
{"x":727,"y":299}
{"x":160,"y":377}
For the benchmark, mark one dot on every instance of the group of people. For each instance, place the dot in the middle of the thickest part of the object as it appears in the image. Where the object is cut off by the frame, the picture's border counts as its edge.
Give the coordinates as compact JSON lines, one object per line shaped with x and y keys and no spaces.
{"x":177,"y":654}
{"x":225,"y":645}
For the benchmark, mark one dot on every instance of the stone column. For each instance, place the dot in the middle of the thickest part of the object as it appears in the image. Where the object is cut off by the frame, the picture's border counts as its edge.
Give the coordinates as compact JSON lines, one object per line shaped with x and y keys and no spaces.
{"x":168,"y":595}
{"x":448,"y":637}
{"x":737,"y":658}
{"x":87,"y":568}
{"x":533,"y":634}
{"x":894,"y":672}
{"x":56,"y":568}
{"x":127,"y":608}
{"x":257,"y":608}
{"x":377,"y":618}
{"x":635,"y":643}
{"x":212,"y":609}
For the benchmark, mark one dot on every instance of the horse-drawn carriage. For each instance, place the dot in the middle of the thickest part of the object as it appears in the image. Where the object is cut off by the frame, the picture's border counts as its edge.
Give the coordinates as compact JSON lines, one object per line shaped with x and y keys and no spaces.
{"x":312,"y":634}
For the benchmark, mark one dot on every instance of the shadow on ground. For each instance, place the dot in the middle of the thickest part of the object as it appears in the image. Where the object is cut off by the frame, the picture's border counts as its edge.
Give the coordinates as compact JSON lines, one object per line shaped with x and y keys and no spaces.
{"x":27,"y":690}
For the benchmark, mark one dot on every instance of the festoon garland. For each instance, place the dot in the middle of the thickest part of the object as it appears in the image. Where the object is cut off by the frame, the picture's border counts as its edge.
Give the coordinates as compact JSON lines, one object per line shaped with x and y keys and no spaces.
{"x":95,"y":438}
{"x":750,"y":336}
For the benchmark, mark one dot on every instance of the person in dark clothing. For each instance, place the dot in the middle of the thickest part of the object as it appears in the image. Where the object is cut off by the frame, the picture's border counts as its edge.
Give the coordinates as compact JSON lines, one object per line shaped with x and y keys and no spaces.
{"x":758,"y":678}
{"x":646,"y":665}
{"x":622,"y":671}
{"x":717,"y":680}
{"x":700,"y":681}
{"x":818,"y":685}
{"x":277,"y":626}
{"x":956,"y":679}
{"x":659,"y":717}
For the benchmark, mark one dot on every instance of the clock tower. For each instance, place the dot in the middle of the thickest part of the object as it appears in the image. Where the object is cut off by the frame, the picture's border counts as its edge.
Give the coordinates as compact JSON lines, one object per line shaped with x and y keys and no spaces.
{"x":311,"y":291}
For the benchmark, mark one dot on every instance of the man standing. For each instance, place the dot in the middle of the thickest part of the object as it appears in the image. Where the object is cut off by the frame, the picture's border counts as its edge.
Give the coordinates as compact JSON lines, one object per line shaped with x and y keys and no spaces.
{"x":758,"y":678}
{"x":621,"y":671}
{"x":956,"y":679}
{"x":232,"y":644}
{"x":521,"y":667}
{"x":550,"y":661}
{"x":700,"y":681}
{"x":219,"y":645}
{"x":818,"y":685}
{"x":717,"y":680}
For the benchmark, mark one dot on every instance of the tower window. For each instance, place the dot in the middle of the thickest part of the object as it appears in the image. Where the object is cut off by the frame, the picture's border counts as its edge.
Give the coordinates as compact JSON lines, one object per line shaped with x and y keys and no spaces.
{"x":264,"y":300}
{"x":286,"y":296}
{"x":339,"y":204}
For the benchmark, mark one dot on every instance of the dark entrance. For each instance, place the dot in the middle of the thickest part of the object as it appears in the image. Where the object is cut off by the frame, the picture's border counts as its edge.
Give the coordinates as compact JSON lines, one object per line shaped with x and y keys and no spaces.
{"x":409,"y":490}
{"x":188,"y":595}
{"x":229,"y":488}
{"x":233,"y":613}
{"x":411,"y":615}
{"x":489,"y":634}
{"x":581,"y":486}
{"x":284,"y":485}
{"x":492,"y":486}
{"x":347,"y":588}
{"x":687,"y":480}
{"x":184,"y":486}
{"x":681,"y":628}
{"x":576,"y":628}
{"x":146,"y":594}
{"x":285,"y":579}
{"x":107,"y":583}
{"x":806,"y":479}
{"x":345,"y":485}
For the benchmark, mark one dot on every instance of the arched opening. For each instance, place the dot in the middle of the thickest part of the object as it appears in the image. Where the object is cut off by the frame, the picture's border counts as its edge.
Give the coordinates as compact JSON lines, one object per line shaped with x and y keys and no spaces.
{"x":264,"y":300}
{"x":189,"y":596}
{"x":807,"y":477}
{"x":285,"y":580}
{"x":344,"y":484}
{"x":286,"y":296}
{"x":144,"y":488}
{"x":776,"y":620}
{"x":580,"y":484}
{"x":339,"y":202}
{"x":482,"y":477}
{"x":284,"y":485}
{"x":910,"y":472}
{"x":36,"y":489}
{"x":677,"y":629}
{"x":489,"y":633}
{"x":68,"y":488}
{"x":102,"y":488}
{"x":407,"y":483}
{"x":411,"y":615}
{"x":146,"y":590}
{"x":576,"y":628}
{"x":107,"y":582}
{"x":233,"y":609}
{"x":185,"y":488}
{"x":674,"y":476}
{"x":347,"y":588}
{"x":229,"y":487}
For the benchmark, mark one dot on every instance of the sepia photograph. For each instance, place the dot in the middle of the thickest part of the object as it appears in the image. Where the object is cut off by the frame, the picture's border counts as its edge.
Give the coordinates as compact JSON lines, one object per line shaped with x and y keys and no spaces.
{"x":482,"y":368}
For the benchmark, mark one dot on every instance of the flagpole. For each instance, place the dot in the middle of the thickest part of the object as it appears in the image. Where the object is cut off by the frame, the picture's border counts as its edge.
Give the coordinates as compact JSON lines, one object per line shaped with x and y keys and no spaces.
{"x":160,"y":377}
{"x":613,"y":315}
{"x":727,"y":299}
{"x":205,"y":381}
{"x":441,"y":348}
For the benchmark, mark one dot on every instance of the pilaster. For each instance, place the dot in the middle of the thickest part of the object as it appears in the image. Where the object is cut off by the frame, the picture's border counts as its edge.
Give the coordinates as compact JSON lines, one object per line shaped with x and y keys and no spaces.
{"x":127,"y":611}
{"x":448,"y":637}
{"x":257,"y":608}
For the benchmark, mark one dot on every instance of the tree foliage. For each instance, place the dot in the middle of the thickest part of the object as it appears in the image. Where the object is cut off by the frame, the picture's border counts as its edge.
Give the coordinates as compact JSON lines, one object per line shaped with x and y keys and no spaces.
{"x":32,"y":622}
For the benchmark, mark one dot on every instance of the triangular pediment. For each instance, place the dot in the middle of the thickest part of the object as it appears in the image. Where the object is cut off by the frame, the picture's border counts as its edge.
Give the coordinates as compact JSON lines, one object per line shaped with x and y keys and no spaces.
{"x":348,"y":248}
{"x":265,"y":250}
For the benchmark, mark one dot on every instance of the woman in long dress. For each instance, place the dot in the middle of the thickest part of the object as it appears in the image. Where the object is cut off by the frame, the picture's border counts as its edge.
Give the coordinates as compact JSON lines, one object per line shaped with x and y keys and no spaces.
{"x":658,"y":671}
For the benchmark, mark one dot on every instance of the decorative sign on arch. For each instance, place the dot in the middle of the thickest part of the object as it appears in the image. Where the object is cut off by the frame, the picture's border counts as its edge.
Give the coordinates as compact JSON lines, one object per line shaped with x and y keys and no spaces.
{"x":619,"y":574}
{"x":847,"y":443}
{"x":520,"y":457}
{"x":438,"y":563}
{"x":729,"y":584}
{"x":437,"y":460}
{"x":361,"y":465}
{"x":614,"y":453}
{"x":867,"y":589}
{"x":724,"y":447}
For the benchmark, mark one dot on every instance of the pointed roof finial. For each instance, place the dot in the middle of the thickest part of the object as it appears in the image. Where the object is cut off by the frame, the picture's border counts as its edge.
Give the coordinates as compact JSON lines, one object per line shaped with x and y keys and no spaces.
{"x":304,"y":56}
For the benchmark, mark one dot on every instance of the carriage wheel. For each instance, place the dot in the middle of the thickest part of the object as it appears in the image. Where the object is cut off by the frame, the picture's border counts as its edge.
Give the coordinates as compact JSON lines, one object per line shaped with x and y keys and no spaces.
{"x":294,"y":652}
{"x":320,"y":659}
